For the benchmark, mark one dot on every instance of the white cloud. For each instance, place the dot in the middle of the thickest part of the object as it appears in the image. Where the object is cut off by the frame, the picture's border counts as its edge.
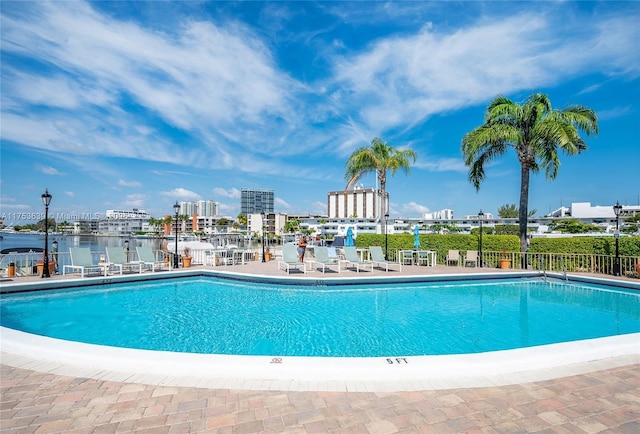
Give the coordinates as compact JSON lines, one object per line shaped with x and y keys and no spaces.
{"x":233,"y":193}
{"x":48,"y":170}
{"x":70,"y":193}
{"x":413,"y":209}
{"x":135,"y":200}
{"x":281,"y":204}
{"x":181,"y":194}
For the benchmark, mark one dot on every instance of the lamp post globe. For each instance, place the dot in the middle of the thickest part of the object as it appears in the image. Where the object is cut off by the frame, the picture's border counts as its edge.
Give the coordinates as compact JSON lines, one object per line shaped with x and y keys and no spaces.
{"x":263,"y":216}
{"x":176,"y":209}
{"x":480,"y":217}
{"x":616,"y":263}
{"x":46,"y":200}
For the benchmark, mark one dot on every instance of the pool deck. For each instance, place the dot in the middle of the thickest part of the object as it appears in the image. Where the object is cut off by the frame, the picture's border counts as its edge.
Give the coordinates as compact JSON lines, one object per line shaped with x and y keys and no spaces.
{"x":598,"y":396}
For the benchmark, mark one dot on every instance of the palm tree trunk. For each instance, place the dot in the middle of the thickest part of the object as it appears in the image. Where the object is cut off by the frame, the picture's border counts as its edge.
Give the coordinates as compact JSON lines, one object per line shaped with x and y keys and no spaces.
{"x":523,"y":211}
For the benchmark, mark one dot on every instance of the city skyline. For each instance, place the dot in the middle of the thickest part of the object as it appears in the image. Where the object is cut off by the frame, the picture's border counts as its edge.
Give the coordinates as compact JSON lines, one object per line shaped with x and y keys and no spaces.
{"x":113,"y":105}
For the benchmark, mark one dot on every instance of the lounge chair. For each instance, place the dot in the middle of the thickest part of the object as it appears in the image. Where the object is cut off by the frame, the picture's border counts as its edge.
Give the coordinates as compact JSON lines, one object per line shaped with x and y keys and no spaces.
{"x":351,"y":257}
{"x":82,"y":260}
{"x":471,"y":258}
{"x":377,"y":258}
{"x":290,"y":259}
{"x":453,"y":256}
{"x":147,"y":257}
{"x":115,"y":255}
{"x":322,"y":257}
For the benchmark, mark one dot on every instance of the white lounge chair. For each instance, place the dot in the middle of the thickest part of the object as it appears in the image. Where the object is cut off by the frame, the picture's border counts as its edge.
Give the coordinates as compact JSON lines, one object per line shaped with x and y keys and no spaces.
{"x":377,"y":257}
{"x":471,"y":258}
{"x":351,"y":257}
{"x":82,"y":260}
{"x":290,"y":259}
{"x":115,"y":255}
{"x":322,"y":257}
{"x":453,"y":256}
{"x":147,"y":257}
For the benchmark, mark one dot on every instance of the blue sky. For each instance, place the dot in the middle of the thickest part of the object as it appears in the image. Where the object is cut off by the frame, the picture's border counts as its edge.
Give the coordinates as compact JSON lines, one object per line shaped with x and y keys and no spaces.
{"x":120,"y":105}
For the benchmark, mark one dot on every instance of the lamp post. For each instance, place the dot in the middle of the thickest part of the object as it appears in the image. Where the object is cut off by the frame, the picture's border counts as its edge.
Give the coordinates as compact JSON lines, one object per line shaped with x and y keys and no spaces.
{"x":616,"y":264}
{"x":386,"y":237}
{"x":46,"y":199}
{"x":480,"y":217}
{"x":176,"y":209}
{"x":262,"y":215}
{"x":126,"y":248}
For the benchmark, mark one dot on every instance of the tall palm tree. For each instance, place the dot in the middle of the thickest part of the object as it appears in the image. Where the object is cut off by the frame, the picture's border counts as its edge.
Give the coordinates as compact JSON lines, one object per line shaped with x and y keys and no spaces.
{"x":536,"y":132}
{"x":378,"y":158}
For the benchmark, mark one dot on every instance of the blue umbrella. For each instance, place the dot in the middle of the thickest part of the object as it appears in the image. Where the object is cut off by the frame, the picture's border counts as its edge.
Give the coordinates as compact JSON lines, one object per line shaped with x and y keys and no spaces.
{"x":349,"y":240}
{"x":416,"y":233}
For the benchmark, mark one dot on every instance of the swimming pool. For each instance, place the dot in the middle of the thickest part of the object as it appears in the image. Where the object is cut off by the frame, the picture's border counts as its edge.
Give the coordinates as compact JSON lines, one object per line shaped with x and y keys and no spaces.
{"x":431,"y":372}
{"x":219,"y":316}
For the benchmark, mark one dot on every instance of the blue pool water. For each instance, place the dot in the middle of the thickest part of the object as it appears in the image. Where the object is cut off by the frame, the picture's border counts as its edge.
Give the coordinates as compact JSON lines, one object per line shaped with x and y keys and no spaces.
{"x":217,"y":316}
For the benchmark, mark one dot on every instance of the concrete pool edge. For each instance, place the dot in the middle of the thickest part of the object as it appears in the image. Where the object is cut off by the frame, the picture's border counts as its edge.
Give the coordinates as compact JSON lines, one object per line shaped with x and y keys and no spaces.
{"x":318,"y":279}
{"x":497,"y":368}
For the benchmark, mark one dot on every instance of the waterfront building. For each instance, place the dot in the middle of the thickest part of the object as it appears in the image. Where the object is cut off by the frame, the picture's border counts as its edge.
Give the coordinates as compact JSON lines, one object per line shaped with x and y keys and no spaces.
{"x":254,"y":201}
{"x":357,"y":203}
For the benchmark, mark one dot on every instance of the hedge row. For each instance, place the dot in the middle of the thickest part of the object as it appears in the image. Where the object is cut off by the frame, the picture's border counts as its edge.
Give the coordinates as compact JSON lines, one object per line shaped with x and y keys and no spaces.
{"x":628,"y":246}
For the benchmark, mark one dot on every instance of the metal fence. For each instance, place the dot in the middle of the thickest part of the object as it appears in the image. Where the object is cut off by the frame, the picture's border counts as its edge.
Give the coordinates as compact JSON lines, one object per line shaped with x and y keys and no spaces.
{"x":26,"y":264}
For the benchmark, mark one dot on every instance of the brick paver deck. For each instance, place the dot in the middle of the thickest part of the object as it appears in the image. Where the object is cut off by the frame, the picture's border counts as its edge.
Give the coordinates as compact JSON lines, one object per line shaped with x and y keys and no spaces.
{"x":606,"y":401}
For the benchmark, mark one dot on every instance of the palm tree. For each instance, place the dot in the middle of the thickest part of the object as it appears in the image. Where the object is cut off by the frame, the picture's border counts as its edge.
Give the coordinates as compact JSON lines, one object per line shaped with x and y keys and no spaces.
{"x":378,"y":158}
{"x":535,"y":131}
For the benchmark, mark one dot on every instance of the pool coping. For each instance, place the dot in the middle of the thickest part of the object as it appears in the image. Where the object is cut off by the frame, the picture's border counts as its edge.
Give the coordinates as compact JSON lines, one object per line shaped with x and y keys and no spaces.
{"x":399,"y":373}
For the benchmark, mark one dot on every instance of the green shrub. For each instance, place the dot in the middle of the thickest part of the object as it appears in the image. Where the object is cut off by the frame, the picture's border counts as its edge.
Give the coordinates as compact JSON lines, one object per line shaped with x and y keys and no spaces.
{"x":628,"y":246}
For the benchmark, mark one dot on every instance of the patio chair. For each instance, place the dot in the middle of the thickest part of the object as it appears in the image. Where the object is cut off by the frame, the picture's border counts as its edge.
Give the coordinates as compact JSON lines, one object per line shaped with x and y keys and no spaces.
{"x":115,"y":255}
{"x":377,"y":258}
{"x":405,"y":257}
{"x":290,"y":259}
{"x":351,"y":257}
{"x":471,"y":258}
{"x":422,"y":258}
{"x":453,"y":256}
{"x":82,"y":260}
{"x":322,"y":257}
{"x":147,"y":257}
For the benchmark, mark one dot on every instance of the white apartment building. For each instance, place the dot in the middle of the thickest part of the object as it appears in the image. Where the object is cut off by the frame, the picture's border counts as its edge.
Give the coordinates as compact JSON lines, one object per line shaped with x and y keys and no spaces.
{"x":207,"y":208}
{"x":357,"y":203}
{"x":443,"y":214}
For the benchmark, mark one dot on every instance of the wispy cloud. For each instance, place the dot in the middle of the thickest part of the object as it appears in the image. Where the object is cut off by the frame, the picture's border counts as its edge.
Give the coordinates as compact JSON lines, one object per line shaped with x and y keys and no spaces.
{"x":124,"y":183}
{"x":48,"y":170}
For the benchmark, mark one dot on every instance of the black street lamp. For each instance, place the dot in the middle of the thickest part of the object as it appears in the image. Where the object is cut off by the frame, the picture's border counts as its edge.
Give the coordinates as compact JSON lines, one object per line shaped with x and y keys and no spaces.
{"x":480,"y":217}
{"x":176,"y":209}
{"x":616,"y":264}
{"x":262,"y":215}
{"x":386,"y":237}
{"x":46,"y":199}
{"x":126,"y":248}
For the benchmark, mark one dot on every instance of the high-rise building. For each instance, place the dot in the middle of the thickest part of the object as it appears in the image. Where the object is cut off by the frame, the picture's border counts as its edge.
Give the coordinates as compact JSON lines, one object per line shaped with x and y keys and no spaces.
{"x":207,"y":208}
{"x":203,"y":208}
{"x":254,"y":201}
{"x":359,"y":202}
